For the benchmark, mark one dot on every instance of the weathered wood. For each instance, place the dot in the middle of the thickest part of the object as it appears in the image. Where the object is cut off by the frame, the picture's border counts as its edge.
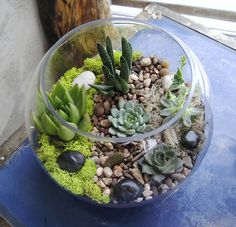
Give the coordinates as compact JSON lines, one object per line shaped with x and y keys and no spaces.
{"x":60,"y":16}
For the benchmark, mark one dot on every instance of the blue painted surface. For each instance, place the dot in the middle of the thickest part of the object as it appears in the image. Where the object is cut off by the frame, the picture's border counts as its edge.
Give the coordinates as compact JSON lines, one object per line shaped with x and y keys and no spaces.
{"x":208,"y":198}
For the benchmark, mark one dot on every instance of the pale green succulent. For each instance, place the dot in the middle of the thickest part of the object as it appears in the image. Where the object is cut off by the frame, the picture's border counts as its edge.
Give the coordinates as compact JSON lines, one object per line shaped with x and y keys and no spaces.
{"x":129,"y":119}
{"x":69,"y":104}
{"x":115,"y":80}
{"x":174,"y":103}
{"x":160,"y":161}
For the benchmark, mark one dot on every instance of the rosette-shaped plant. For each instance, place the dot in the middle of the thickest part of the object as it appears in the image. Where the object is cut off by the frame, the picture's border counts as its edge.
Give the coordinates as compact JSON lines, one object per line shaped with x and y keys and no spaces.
{"x":129,"y":119}
{"x":160,"y":161}
{"x":115,"y":80}
{"x":69,"y":104}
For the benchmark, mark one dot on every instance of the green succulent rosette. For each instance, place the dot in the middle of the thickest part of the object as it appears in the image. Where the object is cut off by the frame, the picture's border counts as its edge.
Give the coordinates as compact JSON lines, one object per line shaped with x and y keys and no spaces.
{"x":160,"y":162}
{"x":129,"y":119}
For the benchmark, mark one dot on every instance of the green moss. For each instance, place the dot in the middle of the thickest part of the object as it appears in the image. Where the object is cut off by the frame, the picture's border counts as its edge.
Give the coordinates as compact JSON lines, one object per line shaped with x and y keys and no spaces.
{"x":117,"y":55}
{"x":136,"y":55}
{"x":93,"y":64}
{"x":81,"y":144}
{"x":77,"y":183}
{"x":93,"y":190}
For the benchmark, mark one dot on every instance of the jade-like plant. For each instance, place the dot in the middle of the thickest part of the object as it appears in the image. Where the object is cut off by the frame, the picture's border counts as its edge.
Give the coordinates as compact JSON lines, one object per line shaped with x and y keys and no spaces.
{"x":129,"y":119}
{"x":114,"y":79}
{"x":160,"y":161}
{"x":173,"y":103}
{"x":69,"y":104}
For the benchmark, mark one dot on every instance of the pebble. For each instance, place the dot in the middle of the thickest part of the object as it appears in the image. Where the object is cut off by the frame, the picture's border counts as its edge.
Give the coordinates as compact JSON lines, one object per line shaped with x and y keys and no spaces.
{"x":107,"y":171}
{"x":142,"y":99}
{"x":103,"y":159}
{"x":147,"y":193}
{"x":109,"y":146}
{"x":154,"y":190}
{"x":186,"y":171}
{"x":156,"y":71}
{"x":99,"y":110}
{"x":106,"y":192}
{"x":166,"y":81}
{"x":145,"y":62}
{"x":71,"y":161}
{"x":99,"y":171}
{"x":187,"y":161}
{"x":163,"y":188}
{"x":101,"y":184}
{"x":107,"y":106}
{"x":153,"y":77}
{"x":178,"y":176}
{"x":190,"y":140}
{"x":170,"y":137}
{"x":117,"y":171}
{"x":154,"y":60}
{"x":126,"y":153}
{"x":147,"y":187}
{"x":146,"y":76}
{"x":127,"y":190}
{"x":139,"y":199}
{"x":107,"y":180}
{"x":163,"y":72}
{"x":95,"y":159}
{"x":85,"y":78}
{"x":147,"y":82}
{"x":137,"y":175}
{"x":105,"y":123}
{"x":140,"y":76}
{"x":164,"y":63}
{"x":148,"y":197}
{"x":133,"y":76}
{"x":168,"y":182}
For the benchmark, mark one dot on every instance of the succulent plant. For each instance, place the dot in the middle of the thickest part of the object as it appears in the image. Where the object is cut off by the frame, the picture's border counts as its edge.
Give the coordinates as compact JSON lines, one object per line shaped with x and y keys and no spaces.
{"x":69,"y":104}
{"x":115,"y":159}
{"x":174,"y":103}
{"x":115,"y":80}
{"x":128,"y":119}
{"x":160,"y":161}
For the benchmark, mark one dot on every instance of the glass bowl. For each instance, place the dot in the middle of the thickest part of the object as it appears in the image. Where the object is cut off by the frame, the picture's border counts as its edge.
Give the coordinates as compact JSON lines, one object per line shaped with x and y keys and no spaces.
{"x":80,"y":43}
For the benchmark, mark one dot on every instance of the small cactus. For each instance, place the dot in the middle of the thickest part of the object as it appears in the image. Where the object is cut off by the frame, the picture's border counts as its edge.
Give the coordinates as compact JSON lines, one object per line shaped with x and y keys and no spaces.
{"x":115,"y":159}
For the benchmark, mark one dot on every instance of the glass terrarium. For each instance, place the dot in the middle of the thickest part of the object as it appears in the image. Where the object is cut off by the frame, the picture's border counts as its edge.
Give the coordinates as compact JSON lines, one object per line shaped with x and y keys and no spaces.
{"x":118,"y":112}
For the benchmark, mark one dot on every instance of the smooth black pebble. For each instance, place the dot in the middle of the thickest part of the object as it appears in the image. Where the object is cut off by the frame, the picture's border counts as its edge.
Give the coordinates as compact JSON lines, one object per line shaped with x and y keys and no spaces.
{"x":71,"y":161}
{"x":190,"y":140}
{"x":127,"y":190}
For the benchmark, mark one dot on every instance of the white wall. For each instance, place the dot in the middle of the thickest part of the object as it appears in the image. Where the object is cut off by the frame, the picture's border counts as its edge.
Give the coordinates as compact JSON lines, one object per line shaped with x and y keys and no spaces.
{"x":21,"y":48}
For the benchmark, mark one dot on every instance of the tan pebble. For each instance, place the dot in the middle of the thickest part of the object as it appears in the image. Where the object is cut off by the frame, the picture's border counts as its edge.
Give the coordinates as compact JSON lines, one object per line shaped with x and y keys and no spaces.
{"x":126,"y":153}
{"x":163,"y":72}
{"x":133,"y":76}
{"x":99,"y":171}
{"x":95,"y":130}
{"x":106,"y":192}
{"x":140,"y":76}
{"x":186,"y":171}
{"x":109,"y":146}
{"x":137,"y":175}
{"x":147,"y":82}
{"x":145,"y":62}
{"x":154,"y":77}
{"x":154,"y":60}
{"x":107,"y":180}
{"x":142,"y":99}
{"x":156,"y":71}
{"x":101,"y":184}
{"x":105,"y":123}
{"x":107,"y":171}
{"x":146,"y":76}
{"x":95,"y":159}
{"x":164,"y":63}
{"x":178,"y":176}
{"x":117,"y":173}
{"x":99,"y":110}
{"x":147,"y":187}
{"x":106,"y":105}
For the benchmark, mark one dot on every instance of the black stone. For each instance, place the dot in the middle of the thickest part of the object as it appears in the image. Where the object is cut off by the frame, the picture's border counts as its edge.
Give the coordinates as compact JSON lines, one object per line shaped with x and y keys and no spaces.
{"x":71,"y":161}
{"x":190,"y":140}
{"x":127,"y":190}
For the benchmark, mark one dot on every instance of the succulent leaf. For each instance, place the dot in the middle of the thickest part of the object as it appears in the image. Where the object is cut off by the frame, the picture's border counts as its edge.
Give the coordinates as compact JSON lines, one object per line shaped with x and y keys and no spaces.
{"x":84,"y":123}
{"x":48,"y":125}
{"x":59,"y":90}
{"x":63,"y":115}
{"x":160,"y":161}
{"x":74,"y":114}
{"x":37,"y":123}
{"x":65,"y":133}
{"x":39,"y":103}
{"x":128,"y":120}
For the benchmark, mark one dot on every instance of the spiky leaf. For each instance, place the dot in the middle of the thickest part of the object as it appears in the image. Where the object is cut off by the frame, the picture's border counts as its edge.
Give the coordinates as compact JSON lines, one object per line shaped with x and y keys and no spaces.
{"x":110,"y":51}
{"x":74,"y":114}
{"x":124,"y":69}
{"x":124,"y":86}
{"x":126,"y":52}
{"x":37,"y":123}
{"x":48,"y":125}
{"x":65,"y":133}
{"x":59,"y":90}
{"x":85,"y":122}
{"x":63,"y":115}
{"x":115,"y":159}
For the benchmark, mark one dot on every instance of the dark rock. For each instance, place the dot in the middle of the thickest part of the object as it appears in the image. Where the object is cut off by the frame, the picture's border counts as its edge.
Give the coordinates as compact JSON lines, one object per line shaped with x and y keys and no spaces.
{"x":190,"y":140}
{"x":71,"y":161}
{"x":127,"y":190}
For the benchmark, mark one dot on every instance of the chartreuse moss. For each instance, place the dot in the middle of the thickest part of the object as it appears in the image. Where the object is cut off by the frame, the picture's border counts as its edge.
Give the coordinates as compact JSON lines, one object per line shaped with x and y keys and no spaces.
{"x":80,"y":183}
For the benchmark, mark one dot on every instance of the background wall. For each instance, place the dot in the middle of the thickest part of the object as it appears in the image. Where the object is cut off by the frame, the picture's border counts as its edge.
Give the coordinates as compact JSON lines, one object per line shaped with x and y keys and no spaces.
{"x":21,"y":48}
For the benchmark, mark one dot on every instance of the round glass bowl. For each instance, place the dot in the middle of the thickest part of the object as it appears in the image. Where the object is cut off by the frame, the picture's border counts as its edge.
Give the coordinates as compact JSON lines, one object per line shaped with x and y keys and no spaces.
{"x":80,"y":43}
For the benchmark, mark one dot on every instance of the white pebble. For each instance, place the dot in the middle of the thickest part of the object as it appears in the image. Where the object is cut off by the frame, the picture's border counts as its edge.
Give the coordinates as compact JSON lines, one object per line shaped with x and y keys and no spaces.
{"x":147,"y":193}
{"x":107,"y":171}
{"x":147,"y":82}
{"x":95,"y":178}
{"x":99,"y":171}
{"x":85,"y":78}
{"x":107,"y":180}
{"x":166,"y":81}
{"x":101,"y":184}
{"x":148,"y":197}
{"x":133,"y":77}
{"x":107,"y":192}
{"x":140,"y":199}
{"x":145,"y":62}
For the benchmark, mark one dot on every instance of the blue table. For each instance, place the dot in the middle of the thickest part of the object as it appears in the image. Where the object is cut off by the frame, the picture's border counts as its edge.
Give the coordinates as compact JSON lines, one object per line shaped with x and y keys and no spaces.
{"x":29,"y":198}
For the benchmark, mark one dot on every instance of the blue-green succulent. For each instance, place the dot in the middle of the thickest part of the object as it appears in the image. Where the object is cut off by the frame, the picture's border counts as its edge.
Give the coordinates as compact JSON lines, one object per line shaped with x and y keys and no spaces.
{"x":129,"y":119}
